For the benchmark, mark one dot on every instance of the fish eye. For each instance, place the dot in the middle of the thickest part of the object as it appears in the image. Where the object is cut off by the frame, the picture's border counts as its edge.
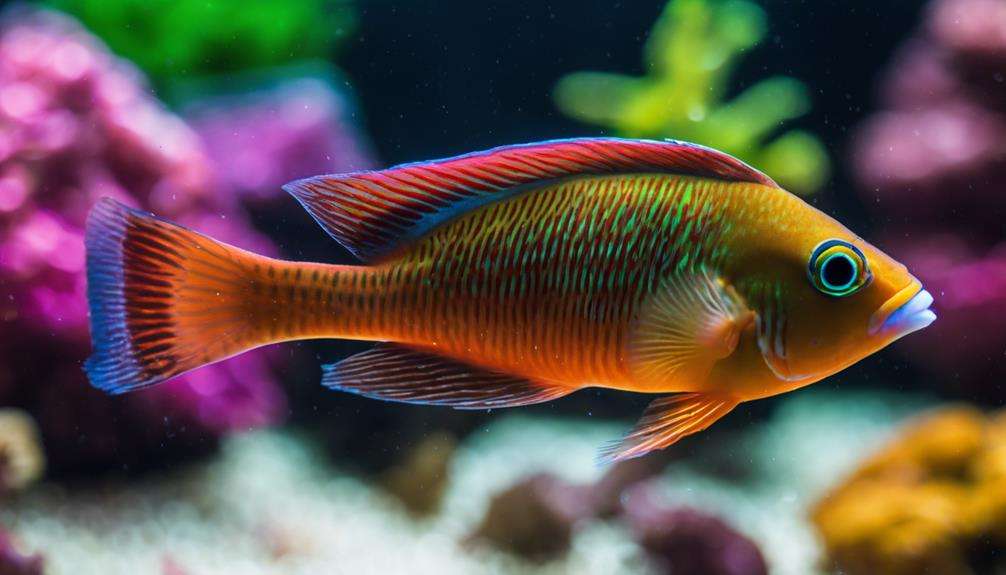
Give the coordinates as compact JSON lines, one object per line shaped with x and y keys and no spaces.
{"x":838,"y":268}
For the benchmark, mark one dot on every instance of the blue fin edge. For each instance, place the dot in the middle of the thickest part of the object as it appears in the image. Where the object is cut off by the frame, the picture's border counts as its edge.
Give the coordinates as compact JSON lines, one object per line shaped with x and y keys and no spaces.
{"x":112,"y":367}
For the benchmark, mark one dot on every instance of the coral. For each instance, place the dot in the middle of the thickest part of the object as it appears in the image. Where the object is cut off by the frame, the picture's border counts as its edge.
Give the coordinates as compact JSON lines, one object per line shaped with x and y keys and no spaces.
{"x":932,"y":166}
{"x":534,"y":518}
{"x":931,"y":501}
{"x":270,"y":133}
{"x":170,"y":39}
{"x":13,"y":562}
{"x":974,"y":29}
{"x":21,"y":459}
{"x":688,"y":58}
{"x":420,"y":480}
{"x":77,"y":124}
{"x":686,"y":541}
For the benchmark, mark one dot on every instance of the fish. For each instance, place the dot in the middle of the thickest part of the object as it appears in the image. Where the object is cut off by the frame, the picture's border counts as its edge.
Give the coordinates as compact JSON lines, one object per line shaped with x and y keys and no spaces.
{"x":519,"y":275}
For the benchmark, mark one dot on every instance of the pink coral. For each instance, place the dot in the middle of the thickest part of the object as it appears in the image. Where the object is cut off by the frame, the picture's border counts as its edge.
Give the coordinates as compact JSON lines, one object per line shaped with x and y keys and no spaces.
{"x":933,"y":166}
{"x":968,"y":343}
{"x":77,"y":124}
{"x":262,"y":139}
{"x":971,"y":27}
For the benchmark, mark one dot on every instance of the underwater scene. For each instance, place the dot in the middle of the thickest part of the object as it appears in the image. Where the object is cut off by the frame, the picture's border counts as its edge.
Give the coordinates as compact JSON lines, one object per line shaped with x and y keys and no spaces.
{"x":700,"y":287}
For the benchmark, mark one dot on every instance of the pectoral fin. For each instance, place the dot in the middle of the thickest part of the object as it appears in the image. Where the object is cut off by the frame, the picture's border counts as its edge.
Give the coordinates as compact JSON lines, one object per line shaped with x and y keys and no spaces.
{"x":692,"y":322}
{"x":668,"y":419}
{"x":396,"y":373}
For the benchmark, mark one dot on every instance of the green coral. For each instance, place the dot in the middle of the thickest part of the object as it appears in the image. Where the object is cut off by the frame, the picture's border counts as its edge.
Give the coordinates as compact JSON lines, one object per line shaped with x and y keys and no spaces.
{"x":176,"y":38}
{"x":689,"y":57}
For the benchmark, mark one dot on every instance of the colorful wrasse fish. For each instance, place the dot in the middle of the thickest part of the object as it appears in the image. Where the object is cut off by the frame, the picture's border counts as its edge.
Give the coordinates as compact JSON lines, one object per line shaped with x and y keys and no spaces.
{"x":520,"y":275}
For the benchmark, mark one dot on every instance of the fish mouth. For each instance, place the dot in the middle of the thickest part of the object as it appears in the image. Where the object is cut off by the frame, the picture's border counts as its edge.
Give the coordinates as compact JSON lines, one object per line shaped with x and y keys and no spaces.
{"x":906,"y":312}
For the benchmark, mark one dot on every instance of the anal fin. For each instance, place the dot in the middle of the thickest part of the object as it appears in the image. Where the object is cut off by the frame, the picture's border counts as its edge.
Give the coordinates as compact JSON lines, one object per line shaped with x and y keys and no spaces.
{"x":396,"y":373}
{"x":668,"y":419}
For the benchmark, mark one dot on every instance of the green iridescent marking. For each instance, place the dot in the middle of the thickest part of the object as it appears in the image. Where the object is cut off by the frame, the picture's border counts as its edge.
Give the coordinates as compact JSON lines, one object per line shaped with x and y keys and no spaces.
{"x":669,"y":222}
{"x":630,"y":226}
{"x":678,"y":214}
{"x":683,"y":262}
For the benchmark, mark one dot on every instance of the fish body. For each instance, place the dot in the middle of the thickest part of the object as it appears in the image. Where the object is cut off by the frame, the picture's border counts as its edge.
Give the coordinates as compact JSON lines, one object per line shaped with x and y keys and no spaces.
{"x":549,"y":285}
{"x":520,"y":275}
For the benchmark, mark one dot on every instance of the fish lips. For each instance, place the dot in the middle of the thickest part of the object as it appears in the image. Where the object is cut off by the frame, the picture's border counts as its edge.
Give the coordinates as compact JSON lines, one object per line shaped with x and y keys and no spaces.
{"x":908,"y":311}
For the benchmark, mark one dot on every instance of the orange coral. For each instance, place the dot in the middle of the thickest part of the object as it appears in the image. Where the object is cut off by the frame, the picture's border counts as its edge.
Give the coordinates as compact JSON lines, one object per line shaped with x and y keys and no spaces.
{"x":933,"y":500}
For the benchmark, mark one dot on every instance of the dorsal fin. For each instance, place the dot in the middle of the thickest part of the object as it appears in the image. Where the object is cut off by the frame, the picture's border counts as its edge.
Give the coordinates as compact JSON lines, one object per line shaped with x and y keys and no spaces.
{"x":371,"y":213}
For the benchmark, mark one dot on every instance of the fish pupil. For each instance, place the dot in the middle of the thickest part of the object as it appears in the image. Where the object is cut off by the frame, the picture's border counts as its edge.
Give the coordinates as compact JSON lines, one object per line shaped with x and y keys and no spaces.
{"x":838,"y":272}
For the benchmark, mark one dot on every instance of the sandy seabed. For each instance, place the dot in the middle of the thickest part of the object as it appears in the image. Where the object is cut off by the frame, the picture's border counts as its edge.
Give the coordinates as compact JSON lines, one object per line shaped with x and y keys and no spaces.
{"x":272,"y":504}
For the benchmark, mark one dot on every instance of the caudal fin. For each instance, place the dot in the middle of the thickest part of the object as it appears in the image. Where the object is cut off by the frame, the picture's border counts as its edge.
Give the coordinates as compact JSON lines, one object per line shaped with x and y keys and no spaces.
{"x":165,"y":300}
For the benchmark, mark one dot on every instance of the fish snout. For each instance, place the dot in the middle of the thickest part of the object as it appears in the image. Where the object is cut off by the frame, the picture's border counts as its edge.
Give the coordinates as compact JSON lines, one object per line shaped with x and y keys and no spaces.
{"x":906,"y":312}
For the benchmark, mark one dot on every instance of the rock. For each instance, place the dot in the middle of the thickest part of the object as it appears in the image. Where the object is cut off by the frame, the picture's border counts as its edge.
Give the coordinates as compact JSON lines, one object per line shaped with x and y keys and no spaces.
{"x":683,"y":541}
{"x":420,"y":480}
{"x":22,"y":461}
{"x":535,"y":518}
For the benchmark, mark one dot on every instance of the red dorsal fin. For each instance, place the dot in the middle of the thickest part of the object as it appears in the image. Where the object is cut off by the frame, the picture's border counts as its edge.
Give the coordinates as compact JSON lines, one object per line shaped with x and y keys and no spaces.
{"x":371,"y":213}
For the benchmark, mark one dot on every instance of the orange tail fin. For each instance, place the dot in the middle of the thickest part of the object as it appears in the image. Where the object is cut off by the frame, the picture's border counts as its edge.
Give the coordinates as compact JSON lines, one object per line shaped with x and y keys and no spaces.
{"x":165,"y":300}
